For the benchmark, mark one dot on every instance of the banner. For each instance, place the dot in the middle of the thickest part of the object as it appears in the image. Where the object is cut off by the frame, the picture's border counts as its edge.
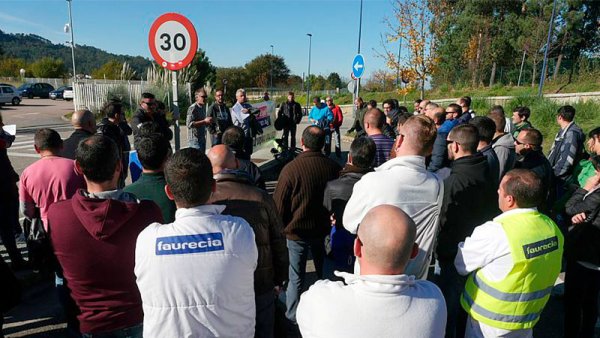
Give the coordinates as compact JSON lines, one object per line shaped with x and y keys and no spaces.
{"x":266,"y":118}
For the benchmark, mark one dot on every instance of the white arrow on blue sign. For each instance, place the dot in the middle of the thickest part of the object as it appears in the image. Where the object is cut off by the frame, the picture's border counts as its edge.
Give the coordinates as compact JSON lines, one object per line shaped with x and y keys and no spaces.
{"x":358,"y":66}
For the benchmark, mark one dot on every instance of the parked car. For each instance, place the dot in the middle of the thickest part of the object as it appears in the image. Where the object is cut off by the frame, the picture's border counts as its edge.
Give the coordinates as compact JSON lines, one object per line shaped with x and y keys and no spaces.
{"x":68,"y":93}
{"x":8,"y":94}
{"x":32,"y":90}
{"x":58,"y":93}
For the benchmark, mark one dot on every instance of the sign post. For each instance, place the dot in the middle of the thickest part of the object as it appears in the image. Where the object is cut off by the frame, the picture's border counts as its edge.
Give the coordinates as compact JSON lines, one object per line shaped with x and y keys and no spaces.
{"x":358,"y":69}
{"x":173,"y":42}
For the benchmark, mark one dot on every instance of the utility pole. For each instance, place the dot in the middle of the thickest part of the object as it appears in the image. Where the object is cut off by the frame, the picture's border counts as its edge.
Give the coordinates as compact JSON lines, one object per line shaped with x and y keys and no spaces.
{"x":271,"y":86}
{"x":70,"y":29}
{"x":308,"y":76}
{"x":359,"y":35}
{"x":545,"y":64}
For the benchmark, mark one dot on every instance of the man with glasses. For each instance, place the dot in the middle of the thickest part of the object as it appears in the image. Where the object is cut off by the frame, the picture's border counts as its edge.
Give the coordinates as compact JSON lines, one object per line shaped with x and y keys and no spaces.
{"x":197,"y":121}
{"x":221,"y":118}
{"x":528,"y":145}
{"x":148,"y":113}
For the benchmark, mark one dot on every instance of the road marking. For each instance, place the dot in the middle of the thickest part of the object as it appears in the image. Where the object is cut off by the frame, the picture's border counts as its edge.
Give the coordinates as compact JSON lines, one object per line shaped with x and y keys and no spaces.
{"x":23,"y":155}
{"x":27,"y":146}
{"x":22,"y":142}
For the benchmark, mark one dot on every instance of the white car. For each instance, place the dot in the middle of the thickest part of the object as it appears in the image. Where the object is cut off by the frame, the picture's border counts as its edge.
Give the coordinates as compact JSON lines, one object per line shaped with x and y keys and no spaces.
{"x":9,"y":94}
{"x":68,"y":94}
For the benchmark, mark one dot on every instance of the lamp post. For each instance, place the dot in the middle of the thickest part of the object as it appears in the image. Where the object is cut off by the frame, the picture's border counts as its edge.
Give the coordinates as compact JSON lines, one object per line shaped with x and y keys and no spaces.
{"x":308,"y":76}
{"x":357,"y":87}
{"x":69,"y":28}
{"x":271,"y":86}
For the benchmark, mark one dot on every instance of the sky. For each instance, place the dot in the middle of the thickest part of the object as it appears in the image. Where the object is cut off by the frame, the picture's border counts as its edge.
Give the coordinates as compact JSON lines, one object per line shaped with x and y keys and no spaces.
{"x":231,"y":32}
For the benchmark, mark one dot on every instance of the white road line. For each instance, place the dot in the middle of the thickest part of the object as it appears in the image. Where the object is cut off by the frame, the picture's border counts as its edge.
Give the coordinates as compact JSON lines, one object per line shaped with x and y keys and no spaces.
{"x":23,"y":155}
{"x":22,"y":142}
{"x":27,"y":146}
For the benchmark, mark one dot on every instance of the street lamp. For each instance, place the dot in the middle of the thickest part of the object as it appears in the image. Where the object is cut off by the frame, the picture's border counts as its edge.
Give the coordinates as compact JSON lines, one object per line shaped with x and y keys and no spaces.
{"x":69,"y":29}
{"x":271,"y":86}
{"x":308,"y":76}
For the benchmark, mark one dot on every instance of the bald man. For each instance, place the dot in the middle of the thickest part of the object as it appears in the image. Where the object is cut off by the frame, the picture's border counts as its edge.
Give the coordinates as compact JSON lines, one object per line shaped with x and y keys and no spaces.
{"x":84,"y":123}
{"x":382,"y":301}
{"x":237,"y":192}
{"x":374,"y":122}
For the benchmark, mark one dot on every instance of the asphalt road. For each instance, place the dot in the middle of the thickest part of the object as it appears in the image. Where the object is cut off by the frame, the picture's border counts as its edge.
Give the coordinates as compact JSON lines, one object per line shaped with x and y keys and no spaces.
{"x":30,"y":115}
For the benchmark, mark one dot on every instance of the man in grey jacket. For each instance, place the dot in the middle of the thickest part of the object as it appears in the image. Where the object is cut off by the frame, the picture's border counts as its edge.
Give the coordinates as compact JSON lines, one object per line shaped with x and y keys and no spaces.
{"x":567,"y":148}
{"x":197,"y":121}
{"x":503,"y":142}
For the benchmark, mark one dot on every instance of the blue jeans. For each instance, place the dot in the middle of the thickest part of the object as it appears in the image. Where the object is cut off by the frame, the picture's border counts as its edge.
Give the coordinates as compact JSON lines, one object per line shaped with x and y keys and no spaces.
{"x":452,"y":285}
{"x":128,"y":332}
{"x":197,"y":142}
{"x":265,"y":315}
{"x":298,"y":253}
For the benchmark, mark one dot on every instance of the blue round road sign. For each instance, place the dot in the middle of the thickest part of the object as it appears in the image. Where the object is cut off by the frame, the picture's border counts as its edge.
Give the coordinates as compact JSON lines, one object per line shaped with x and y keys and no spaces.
{"x":358,"y":66}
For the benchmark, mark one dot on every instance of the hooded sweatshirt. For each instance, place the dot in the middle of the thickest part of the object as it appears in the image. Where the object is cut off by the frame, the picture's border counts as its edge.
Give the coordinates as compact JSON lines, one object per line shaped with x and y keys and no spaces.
{"x":504,"y":146}
{"x":94,"y":241}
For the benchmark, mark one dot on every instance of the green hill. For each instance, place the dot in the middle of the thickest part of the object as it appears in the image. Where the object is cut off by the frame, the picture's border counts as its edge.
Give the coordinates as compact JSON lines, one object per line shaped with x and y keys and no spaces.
{"x":31,"y":47}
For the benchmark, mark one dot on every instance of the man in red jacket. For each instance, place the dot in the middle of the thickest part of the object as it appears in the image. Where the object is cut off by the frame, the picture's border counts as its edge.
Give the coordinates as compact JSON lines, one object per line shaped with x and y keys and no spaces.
{"x":338,"y":119}
{"x":93,"y":236}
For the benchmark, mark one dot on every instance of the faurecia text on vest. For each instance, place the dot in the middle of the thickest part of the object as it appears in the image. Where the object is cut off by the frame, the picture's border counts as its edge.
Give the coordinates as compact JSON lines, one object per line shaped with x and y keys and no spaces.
{"x":540,"y":248}
{"x":188,"y":244}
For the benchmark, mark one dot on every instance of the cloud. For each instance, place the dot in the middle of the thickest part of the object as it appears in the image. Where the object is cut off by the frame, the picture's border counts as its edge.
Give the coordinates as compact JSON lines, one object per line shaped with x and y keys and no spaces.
{"x":11,"y":18}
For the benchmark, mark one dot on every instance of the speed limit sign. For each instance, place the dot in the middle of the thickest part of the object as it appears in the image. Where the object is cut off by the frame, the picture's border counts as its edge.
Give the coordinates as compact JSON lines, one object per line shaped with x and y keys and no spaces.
{"x":173,"y":41}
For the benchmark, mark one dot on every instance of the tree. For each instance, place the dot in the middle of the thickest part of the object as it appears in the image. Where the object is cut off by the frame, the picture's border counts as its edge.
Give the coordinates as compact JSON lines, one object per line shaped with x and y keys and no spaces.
{"x":294,"y":82}
{"x":334,"y":81}
{"x":204,"y":69}
{"x":11,"y":66}
{"x":259,"y":70}
{"x":110,"y":71}
{"x":48,"y":68}
{"x":413,"y":22}
{"x":236,"y":78}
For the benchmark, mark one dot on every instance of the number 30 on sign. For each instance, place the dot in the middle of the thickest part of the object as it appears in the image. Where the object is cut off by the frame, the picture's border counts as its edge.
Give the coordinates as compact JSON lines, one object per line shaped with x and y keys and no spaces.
{"x":173,"y":41}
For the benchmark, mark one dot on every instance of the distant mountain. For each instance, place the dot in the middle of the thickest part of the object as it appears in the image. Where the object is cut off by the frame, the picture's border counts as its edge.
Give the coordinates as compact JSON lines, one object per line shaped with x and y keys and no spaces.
{"x":31,"y":47}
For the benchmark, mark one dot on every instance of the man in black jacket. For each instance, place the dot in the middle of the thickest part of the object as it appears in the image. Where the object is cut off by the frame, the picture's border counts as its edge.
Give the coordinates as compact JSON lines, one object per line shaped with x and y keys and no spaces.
{"x":291,"y":112}
{"x":221,"y":118}
{"x":469,"y":200}
{"x":236,"y":191}
{"x":487,"y":128}
{"x":338,"y":192}
{"x":148,"y":113}
{"x":84,"y":123}
{"x":528,"y":146}
{"x":114,"y":116}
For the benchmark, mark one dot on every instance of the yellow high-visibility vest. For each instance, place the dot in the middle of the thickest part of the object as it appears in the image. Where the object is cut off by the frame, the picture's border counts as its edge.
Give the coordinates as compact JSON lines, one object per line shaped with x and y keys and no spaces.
{"x":516,"y":302}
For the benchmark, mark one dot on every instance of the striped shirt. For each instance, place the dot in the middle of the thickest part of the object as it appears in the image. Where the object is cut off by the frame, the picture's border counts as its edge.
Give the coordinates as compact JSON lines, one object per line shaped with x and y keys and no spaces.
{"x":383,"y":146}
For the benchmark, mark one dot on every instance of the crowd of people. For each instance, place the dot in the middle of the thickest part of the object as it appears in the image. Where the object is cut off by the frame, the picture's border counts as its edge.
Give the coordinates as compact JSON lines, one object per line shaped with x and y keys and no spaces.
{"x":442,"y":222}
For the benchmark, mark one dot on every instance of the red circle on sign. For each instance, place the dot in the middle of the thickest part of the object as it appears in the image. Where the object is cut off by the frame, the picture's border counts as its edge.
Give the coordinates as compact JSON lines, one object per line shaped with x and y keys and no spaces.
{"x":190,"y":30}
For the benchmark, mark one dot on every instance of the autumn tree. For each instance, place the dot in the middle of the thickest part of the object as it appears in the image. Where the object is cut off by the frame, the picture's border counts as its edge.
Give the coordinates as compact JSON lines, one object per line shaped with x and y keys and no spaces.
{"x":413,"y":22}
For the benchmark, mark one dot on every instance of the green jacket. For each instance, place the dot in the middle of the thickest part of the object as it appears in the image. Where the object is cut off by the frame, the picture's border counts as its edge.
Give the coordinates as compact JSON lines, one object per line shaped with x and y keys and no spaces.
{"x":151,"y":186}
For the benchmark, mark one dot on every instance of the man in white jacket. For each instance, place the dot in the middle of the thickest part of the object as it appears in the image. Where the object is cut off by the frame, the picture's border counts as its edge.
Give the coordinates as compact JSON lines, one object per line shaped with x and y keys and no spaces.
{"x":382,"y":301}
{"x":405,"y":182}
{"x":196,"y":275}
